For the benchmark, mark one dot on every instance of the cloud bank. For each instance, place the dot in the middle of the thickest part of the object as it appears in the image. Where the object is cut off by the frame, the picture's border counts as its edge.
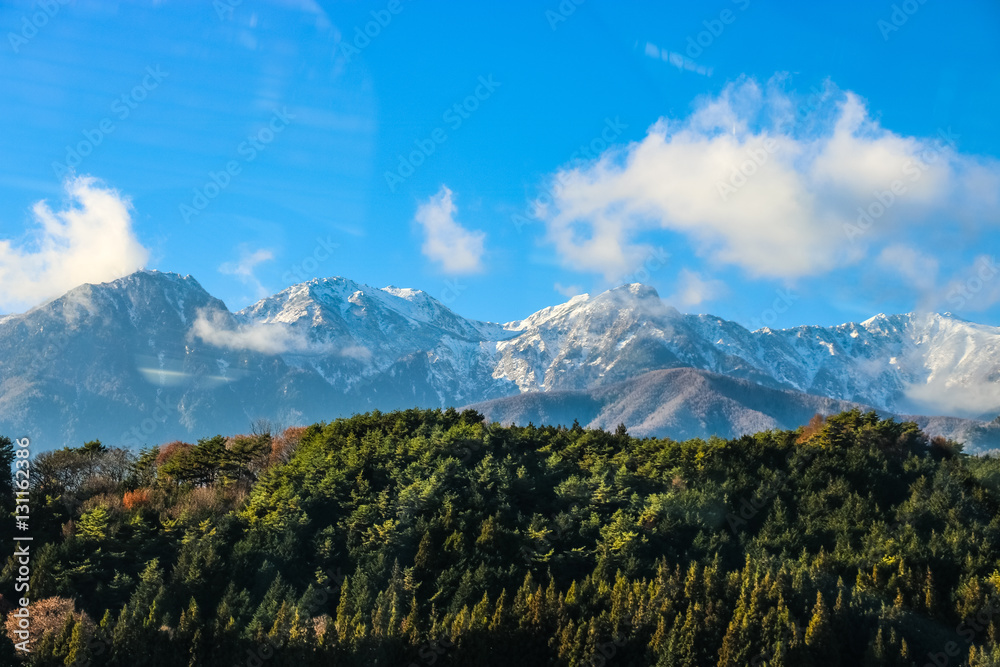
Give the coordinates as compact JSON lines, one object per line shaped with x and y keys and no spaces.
{"x":693,"y":290}
{"x":453,"y":247}
{"x":219,"y":329}
{"x":91,"y":240}
{"x":758,"y":179}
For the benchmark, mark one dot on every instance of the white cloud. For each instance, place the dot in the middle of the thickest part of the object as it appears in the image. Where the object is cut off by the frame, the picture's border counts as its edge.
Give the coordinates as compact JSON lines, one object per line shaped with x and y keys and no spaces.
{"x":220,"y":329}
{"x":243,"y":268}
{"x":751,"y":183}
{"x":693,"y":290}
{"x":455,"y":248}
{"x":971,"y":288}
{"x":971,"y":397}
{"x":975,"y":288}
{"x":568,"y":291}
{"x":356,"y":352}
{"x":918,"y":268}
{"x":91,"y":240}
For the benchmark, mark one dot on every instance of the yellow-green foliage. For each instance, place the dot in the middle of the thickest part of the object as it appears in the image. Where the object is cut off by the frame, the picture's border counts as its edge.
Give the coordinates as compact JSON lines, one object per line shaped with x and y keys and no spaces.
{"x":432,"y":537}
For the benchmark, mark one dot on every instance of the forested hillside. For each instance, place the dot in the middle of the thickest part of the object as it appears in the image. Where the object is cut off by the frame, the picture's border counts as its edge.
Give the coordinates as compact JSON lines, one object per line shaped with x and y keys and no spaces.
{"x":435,"y":538}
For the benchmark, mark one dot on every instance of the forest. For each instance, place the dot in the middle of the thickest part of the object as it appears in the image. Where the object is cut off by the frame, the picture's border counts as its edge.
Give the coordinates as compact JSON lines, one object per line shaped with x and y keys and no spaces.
{"x":432,"y":537}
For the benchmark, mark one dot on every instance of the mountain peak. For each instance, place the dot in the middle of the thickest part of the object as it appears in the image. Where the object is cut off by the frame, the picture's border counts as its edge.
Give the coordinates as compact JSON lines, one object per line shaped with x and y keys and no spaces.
{"x":154,"y":275}
{"x":408,"y":293}
{"x":638,"y":290}
{"x":144,"y":285}
{"x":367,"y":343}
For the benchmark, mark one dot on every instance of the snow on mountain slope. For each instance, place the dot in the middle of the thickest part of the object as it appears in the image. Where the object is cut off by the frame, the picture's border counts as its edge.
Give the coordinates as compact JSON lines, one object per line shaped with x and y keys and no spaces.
{"x":104,"y":358}
{"x":99,"y":360}
{"x":911,"y":362}
{"x":916,"y":363}
{"x":613,"y":336}
{"x":364,"y":331}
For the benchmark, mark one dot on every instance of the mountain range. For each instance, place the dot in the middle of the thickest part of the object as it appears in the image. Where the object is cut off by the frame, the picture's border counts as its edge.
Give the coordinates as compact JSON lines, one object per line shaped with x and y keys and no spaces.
{"x":153,"y":357}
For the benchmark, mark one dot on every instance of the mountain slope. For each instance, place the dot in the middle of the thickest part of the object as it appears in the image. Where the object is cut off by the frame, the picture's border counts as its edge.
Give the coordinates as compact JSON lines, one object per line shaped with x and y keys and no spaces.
{"x":153,"y":357}
{"x":911,"y":362}
{"x":677,"y":403}
{"x":687,"y":403}
{"x":107,"y":353}
{"x":356,"y":333}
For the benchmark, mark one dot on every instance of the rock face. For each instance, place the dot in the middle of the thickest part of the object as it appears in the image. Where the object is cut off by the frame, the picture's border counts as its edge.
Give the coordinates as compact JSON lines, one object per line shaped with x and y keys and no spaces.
{"x":154,"y":357}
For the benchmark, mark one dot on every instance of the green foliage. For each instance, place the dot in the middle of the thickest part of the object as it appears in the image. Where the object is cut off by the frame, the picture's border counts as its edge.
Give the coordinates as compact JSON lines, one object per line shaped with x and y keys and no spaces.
{"x":93,"y":525}
{"x":433,"y":537}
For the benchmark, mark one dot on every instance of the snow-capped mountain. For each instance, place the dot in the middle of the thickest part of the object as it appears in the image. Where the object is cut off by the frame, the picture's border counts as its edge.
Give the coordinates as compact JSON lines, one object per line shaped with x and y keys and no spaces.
{"x":153,"y":357}
{"x":911,"y":362}
{"x":355,"y":333}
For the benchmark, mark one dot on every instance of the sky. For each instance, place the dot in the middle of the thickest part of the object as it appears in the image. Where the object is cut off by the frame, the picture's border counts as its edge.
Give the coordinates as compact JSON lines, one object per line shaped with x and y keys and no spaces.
{"x":775,"y":164}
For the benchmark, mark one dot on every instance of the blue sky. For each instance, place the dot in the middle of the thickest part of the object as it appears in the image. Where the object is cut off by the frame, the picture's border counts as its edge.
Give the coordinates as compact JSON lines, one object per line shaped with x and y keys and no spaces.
{"x":260,"y":143}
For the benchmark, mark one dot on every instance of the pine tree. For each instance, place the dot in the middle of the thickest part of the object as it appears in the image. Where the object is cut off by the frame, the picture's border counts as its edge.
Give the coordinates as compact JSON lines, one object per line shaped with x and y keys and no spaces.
{"x":929,"y":597}
{"x":735,"y":650}
{"x":345,"y":614}
{"x":820,"y":638}
{"x":480,"y":614}
{"x":411,"y":625}
{"x":499,"y":619}
{"x":279,"y":633}
{"x":425,"y":553}
{"x":875,"y":654}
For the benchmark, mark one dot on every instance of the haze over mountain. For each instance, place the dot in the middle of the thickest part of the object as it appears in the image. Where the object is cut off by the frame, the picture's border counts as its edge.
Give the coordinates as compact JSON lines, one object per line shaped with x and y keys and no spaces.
{"x":153,"y":357}
{"x":689,"y":403}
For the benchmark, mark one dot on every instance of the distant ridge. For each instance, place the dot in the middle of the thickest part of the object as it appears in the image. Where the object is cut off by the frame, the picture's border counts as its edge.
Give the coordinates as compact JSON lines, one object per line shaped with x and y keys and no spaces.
{"x":684,"y":403}
{"x":152,"y":357}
